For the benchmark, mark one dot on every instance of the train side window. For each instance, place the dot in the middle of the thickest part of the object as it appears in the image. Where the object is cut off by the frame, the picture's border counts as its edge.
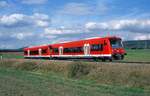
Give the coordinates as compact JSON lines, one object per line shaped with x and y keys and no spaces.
{"x":66,"y":50}
{"x":44,"y":51}
{"x":79,"y":49}
{"x":34,"y":52}
{"x":96,"y":47}
{"x":73,"y":50}
{"x":55,"y":50}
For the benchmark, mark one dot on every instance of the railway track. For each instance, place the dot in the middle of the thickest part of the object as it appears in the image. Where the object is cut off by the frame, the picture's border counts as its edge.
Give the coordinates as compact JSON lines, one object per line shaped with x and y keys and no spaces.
{"x":121,"y":62}
{"x":131,"y":62}
{"x":125,"y":62}
{"x":99,"y":61}
{"x":91,"y":61}
{"x":108,"y":62}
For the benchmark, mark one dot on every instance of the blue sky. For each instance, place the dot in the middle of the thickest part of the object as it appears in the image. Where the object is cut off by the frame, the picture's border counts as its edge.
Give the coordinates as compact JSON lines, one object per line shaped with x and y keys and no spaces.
{"x":36,"y":22}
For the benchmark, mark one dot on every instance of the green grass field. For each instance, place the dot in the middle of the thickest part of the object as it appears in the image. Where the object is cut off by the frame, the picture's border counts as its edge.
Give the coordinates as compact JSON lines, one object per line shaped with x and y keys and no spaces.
{"x":138,"y":55}
{"x":19,"y":77}
{"x":10,"y":55}
{"x":25,"y":83}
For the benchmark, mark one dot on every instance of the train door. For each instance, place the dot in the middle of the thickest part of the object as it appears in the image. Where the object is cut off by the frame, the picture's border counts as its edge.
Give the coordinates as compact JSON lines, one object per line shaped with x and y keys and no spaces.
{"x":50,"y":50}
{"x":28,"y":52}
{"x":60,"y":50}
{"x":86,"y":49}
{"x":40,"y":51}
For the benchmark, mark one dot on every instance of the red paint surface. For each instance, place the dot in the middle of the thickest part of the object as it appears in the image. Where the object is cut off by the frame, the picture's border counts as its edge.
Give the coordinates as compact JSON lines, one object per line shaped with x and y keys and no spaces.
{"x":107,"y":49}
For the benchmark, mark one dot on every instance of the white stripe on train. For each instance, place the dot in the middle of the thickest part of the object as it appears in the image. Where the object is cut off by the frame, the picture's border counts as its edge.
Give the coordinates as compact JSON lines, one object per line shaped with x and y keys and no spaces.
{"x":101,"y":55}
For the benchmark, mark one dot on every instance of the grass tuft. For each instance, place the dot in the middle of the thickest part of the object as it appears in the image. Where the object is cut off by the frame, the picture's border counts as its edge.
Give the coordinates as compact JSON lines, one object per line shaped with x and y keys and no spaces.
{"x":28,"y":66}
{"x":78,"y":69}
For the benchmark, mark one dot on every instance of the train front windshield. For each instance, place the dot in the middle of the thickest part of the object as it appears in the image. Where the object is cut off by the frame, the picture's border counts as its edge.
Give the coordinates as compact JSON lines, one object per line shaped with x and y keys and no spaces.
{"x":116,"y":43}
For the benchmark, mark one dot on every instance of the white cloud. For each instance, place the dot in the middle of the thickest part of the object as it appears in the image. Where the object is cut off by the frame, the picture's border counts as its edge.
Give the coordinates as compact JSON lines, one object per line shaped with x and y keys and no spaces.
{"x":76,"y":9}
{"x":142,"y":37}
{"x":53,"y":31}
{"x":40,"y":16}
{"x":137,"y":26}
{"x":42,"y":20}
{"x":3,"y":4}
{"x":59,"y":31}
{"x":42,"y":23}
{"x":20,"y":29}
{"x":34,"y":1}
{"x":121,"y":26}
{"x":11,"y":19}
{"x":15,"y":20}
{"x":21,"y":36}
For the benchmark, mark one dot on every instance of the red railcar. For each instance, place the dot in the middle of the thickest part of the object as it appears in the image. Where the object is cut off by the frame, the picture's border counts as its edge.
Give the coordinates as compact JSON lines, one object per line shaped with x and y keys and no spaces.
{"x":93,"y":48}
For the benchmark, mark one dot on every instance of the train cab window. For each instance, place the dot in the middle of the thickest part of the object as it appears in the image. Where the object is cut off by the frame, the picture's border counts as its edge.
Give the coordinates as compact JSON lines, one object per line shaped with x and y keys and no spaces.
{"x":116,"y":43}
{"x":55,"y":50}
{"x":96,"y":47}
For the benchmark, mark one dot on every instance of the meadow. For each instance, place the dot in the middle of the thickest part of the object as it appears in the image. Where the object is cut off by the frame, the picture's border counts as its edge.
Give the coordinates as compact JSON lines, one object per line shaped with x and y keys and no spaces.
{"x":138,"y":55}
{"x":23,"y":77}
{"x":10,"y":55}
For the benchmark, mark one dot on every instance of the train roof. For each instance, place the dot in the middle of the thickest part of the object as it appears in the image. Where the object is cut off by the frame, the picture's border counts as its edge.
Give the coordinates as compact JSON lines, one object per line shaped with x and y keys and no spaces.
{"x":92,"y":38}
{"x":36,"y":47}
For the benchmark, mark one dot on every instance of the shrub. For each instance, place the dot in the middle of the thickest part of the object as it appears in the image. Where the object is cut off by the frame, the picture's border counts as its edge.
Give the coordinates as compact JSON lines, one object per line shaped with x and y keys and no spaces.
{"x":29,"y":66}
{"x":78,"y":69}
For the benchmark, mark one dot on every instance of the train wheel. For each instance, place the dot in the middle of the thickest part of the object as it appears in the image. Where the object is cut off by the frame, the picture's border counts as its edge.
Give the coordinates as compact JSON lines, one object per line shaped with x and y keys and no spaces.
{"x":110,"y":59}
{"x":96,"y":59}
{"x":122,"y":57}
{"x":118,"y":57}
